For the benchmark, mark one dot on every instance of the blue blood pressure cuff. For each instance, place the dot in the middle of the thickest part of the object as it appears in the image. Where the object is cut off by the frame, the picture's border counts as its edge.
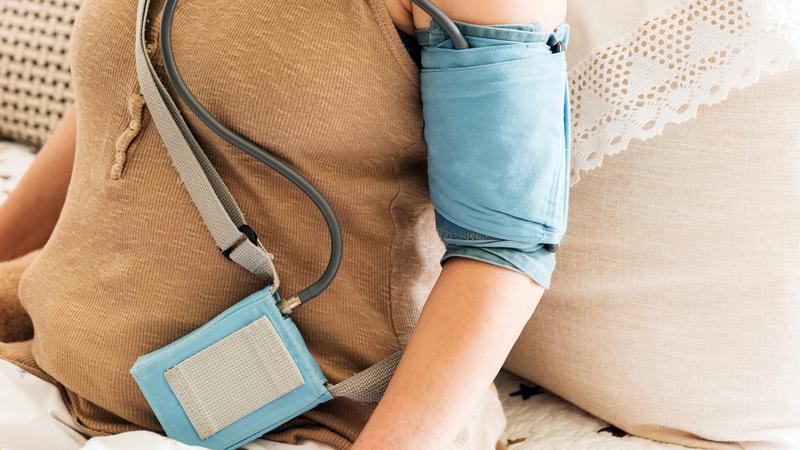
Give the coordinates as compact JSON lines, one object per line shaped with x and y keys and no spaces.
{"x":497,"y":129}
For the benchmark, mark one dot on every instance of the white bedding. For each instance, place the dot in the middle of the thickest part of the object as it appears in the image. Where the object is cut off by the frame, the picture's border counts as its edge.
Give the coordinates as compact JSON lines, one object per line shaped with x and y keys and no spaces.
{"x":536,"y":419}
{"x":14,"y":159}
{"x":546,"y":422}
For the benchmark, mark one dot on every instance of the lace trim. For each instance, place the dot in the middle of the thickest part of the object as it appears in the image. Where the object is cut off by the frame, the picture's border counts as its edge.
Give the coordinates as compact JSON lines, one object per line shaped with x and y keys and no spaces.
{"x":688,"y":54}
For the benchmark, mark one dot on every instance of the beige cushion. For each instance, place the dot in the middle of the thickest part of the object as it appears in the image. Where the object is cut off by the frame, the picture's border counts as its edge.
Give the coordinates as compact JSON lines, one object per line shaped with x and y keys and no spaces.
{"x":675,"y":308}
{"x":34,"y":66}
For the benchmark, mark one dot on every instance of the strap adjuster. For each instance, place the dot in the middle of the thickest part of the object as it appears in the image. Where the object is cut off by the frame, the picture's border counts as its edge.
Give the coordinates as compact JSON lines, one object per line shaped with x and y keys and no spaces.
{"x":556,"y":46}
{"x":249,"y":235}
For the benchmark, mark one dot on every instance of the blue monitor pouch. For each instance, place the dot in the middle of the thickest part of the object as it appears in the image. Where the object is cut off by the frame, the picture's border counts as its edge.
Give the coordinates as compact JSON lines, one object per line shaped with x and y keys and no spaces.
{"x":235,"y":378}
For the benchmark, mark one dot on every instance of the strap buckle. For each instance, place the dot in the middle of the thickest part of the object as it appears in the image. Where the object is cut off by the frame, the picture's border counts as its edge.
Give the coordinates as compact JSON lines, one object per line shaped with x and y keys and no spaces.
{"x":556,"y":46}
{"x":248,"y":234}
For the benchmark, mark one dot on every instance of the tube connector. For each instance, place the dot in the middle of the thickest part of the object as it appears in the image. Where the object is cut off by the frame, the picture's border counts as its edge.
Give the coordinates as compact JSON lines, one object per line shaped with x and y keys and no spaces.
{"x":287,"y":305}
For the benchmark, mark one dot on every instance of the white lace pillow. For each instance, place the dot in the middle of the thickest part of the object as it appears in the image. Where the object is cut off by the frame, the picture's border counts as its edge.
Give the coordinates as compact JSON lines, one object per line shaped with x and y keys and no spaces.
{"x":34,"y":74}
{"x":639,"y":65}
{"x":674,"y":312}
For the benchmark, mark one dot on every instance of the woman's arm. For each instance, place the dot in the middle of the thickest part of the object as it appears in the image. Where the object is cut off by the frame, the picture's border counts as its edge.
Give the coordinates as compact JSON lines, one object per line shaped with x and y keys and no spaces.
{"x":473,"y":315}
{"x":29,"y":214}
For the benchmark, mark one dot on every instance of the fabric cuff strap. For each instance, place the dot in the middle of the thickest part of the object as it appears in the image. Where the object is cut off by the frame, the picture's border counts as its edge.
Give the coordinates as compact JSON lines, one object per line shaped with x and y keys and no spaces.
{"x":497,"y":129}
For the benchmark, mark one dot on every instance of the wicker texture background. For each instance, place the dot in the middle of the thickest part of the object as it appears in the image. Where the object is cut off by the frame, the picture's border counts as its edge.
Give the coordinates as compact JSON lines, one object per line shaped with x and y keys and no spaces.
{"x":34,"y":71}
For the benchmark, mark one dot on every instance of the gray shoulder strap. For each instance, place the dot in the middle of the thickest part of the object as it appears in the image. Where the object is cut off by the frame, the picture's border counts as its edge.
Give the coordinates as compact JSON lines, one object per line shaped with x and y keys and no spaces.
{"x":368,"y":385}
{"x":214,"y":202}
{"x":219,"y":210}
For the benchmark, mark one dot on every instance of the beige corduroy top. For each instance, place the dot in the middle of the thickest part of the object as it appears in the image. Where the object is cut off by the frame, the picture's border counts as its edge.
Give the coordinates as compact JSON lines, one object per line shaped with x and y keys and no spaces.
{"x":326,"y":85}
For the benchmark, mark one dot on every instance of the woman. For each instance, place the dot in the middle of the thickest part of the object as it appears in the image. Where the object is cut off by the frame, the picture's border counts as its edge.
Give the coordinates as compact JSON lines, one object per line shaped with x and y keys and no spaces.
{"x":129,"y":267}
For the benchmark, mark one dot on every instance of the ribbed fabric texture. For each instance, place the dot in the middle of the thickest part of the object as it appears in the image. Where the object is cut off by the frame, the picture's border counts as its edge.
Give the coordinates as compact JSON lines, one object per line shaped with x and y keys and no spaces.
{"x":130,"y":267}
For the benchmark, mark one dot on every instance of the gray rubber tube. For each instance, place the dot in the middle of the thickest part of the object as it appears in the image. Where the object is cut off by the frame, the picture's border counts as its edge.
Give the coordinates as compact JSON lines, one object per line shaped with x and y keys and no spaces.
{"x":268,"y":158}
{"x":257,"y":152}
{"x":459,"y":42}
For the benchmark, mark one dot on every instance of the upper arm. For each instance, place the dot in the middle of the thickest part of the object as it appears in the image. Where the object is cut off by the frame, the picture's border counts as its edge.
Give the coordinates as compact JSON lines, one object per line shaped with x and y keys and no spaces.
{"x":549,"y":13}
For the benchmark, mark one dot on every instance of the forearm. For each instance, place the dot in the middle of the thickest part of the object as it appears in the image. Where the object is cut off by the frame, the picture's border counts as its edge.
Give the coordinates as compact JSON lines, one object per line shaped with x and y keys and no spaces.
{"x":30,"y":213}
{"x":472,"y":318}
